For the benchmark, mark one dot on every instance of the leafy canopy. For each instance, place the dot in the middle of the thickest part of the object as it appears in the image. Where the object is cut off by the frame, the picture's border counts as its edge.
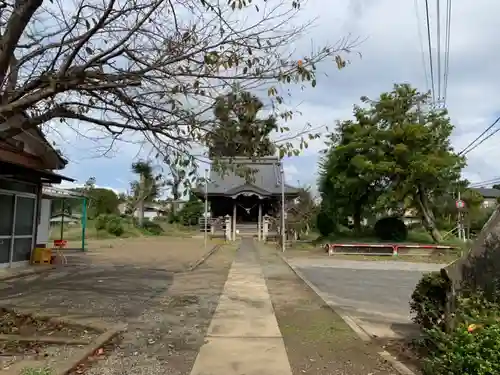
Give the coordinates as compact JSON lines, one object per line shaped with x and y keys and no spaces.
{"x":238,"y":130}
{"x":395,"y":145}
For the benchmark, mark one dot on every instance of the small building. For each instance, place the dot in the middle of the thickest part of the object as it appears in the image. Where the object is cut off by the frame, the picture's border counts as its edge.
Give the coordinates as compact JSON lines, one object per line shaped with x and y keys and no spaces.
{"x":151,"y":210}
{"x":491,"y":196}
{"x":67,"y":219}
{"x":247,"y":199}
{"x":27,"y":161}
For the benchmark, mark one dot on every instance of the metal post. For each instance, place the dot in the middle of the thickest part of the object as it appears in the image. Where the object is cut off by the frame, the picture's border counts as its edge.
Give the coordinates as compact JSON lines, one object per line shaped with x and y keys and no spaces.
{"x":234,"y":221}
{"x":84,"y":221}
{"x":62,"y":219}
{"x":206,"y":208}
{"x":13,"y":233}
{"x":459,"y":226}
{"x":283,"y":235}
{"x":259,"y":222}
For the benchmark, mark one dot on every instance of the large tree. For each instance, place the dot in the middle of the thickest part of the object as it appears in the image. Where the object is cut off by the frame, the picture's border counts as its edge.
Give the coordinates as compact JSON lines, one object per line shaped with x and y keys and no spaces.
{"x":146,"y":189}
{"x":419,"y":158}
{"x":351,"y":178}
{"x":408,"y":147}
{"x":238,"y":128}
{"x":144,"y":66}
{"x":301,"y":212}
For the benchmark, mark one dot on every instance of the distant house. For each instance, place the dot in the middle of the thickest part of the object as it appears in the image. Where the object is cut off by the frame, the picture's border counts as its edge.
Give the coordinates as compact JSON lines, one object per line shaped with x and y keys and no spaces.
{"x":490,"y":196}
{"x":153,"y":210}
{"x":72,"y":219}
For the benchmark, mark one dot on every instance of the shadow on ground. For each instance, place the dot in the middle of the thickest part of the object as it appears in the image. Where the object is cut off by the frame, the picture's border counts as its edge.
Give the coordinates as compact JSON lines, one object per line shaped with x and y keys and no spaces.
{"x":83,"y":290}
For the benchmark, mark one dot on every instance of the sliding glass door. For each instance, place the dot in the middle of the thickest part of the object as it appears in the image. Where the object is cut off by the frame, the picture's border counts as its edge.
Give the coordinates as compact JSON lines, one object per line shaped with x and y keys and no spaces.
{"x":6,"y":225}
{"x":17,"y":226}
{"x":23,"y":228}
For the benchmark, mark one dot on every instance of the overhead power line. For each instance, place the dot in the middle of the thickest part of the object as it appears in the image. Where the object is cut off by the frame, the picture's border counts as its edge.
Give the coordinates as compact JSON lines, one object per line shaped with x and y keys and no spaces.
{"x":438,"y":23}
{"x":438,"y":42}
{"x":447,"y":51}
{"x":429,"y":43}
{"x":485,"y":182}
{"x":421,"y":43}
{"x":473,"y":145}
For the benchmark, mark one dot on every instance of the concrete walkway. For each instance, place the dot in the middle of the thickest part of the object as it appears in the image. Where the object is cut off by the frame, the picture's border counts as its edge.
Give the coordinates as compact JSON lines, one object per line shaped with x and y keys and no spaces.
{"x":243,"y":337}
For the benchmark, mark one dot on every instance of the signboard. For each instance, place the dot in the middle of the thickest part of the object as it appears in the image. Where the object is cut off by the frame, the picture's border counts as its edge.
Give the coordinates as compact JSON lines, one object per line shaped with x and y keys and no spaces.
{"x":460,"y":204}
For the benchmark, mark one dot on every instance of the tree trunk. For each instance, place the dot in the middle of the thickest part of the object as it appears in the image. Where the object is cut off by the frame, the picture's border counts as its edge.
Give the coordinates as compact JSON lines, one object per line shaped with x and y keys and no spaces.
{"x":427,"y":215}
{"x":142,"y":198}
{"x":356,"y":217}
{"x":176,"y":196}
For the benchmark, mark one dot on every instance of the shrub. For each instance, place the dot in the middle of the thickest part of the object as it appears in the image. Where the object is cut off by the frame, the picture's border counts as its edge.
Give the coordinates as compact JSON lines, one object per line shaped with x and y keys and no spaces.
{"x":152,"y":228}
{"x":114,"y":226}
{"x":325,"y":223}
{"x":391,"y":229}
{"x":172,"y":218}
{"x":101,"y":221}
{"x":428,"y":300}
{"x":472,"y":347}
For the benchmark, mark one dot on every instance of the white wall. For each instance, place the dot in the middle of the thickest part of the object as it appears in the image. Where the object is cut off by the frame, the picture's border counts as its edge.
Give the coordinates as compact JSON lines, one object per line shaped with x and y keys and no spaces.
{"x":44,"y":223}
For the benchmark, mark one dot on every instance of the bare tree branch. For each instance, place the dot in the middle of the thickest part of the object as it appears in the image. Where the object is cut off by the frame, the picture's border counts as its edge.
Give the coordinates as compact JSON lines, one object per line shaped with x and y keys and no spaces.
{"x":150,"y":66}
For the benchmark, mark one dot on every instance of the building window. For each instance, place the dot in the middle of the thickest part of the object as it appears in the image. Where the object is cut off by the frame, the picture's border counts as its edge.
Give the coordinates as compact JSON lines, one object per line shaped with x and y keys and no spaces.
{"x":18,"y":186}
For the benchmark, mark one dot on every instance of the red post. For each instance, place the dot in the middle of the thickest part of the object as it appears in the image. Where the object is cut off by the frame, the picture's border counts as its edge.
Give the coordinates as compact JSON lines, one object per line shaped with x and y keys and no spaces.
{"x":395,"y":250}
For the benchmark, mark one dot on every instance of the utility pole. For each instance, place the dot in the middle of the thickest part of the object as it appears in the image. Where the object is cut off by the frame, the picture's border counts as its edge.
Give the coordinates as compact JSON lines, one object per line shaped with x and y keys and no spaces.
{"x":206,"y":209}
{"x":459,"y":221}
{"x":283,"y":232}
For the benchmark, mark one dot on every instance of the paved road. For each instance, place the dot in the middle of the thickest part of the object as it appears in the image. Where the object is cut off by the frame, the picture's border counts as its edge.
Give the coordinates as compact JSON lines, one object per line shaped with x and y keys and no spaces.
{"x":376,"y":294}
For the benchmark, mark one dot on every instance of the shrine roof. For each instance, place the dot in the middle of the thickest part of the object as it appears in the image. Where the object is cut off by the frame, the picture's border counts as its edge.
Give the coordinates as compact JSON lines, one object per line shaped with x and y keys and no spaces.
{"x":264,"y":179}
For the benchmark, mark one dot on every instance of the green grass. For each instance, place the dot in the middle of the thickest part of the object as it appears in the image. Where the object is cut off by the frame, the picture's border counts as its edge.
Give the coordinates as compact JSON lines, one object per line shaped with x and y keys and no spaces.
{"x":36,"y":371}
{"x":74,"y":232}
{"x":415,"y":236}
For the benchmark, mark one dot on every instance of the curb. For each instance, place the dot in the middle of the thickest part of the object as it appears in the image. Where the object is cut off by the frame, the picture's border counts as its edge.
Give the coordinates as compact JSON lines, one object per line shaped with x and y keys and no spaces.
{"x":350,"y":321}
{"x":81,"y":355}
{"x":204,"y":258}
{"x":28,"y":272}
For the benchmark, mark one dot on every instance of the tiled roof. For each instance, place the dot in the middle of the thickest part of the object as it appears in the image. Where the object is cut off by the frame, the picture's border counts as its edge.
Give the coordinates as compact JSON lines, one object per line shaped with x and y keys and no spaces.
{"x":488,"y":193}
{"x":265,"y":178}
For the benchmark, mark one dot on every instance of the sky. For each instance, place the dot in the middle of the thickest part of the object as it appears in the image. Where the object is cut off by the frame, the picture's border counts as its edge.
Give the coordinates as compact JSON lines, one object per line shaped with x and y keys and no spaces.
{"x":390,"y":53}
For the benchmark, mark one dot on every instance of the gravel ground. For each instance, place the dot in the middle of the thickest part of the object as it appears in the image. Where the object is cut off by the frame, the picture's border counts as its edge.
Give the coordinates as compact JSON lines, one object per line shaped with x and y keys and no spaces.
{"x":166,"y":337}
{"x":143,"y":284}
{"x":316,"y":339}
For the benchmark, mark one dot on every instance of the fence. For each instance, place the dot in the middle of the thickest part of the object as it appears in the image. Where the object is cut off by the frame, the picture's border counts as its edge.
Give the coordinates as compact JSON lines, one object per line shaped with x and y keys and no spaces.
{"x":380,"y":249}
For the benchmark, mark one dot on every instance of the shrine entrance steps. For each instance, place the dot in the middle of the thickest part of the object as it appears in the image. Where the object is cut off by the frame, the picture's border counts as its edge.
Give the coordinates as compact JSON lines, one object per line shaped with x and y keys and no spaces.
{"x":247,"y":229}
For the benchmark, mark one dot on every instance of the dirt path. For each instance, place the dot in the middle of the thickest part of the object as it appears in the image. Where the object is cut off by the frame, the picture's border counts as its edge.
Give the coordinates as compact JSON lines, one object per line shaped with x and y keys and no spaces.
{"x":316,"y":339}
{"x":166,"y":338}
{"x":167,"y":309}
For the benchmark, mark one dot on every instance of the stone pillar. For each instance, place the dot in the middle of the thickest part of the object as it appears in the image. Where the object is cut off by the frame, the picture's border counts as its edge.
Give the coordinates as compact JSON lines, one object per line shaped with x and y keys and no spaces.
{"x":234,"y":221}
{"x":259,"y":222}
{"x":265,"y":227}
{"x":228,"y":221}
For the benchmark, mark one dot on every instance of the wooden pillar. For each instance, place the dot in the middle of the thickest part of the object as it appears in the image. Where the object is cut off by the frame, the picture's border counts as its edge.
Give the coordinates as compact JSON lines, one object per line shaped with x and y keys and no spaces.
{"x":259,"y":222}
{"x":234,"y":221}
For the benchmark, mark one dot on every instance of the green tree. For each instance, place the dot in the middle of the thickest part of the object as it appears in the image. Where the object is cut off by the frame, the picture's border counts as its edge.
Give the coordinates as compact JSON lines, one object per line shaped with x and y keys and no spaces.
{"x":179,"y":178}
{"x":146,"y":189}
{"x":418,"y":158}
{"x":301,"y":213}
{"x":238,"y":131}
{"x":351,"y":172}
{"x":191,"y":211}
{"x":103,"y":201}
{"x":394,"y":145}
